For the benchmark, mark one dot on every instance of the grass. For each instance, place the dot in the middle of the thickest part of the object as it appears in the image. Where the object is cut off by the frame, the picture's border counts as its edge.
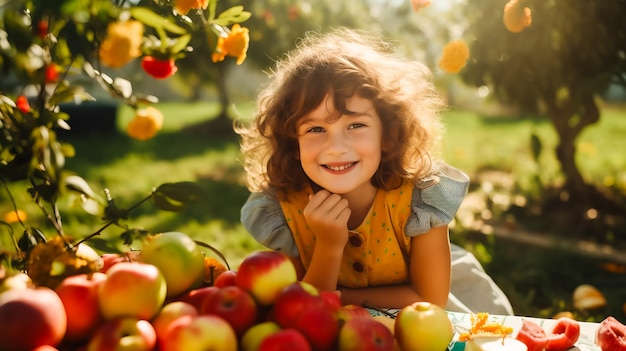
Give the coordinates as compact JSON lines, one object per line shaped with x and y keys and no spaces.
{"x":538,"y":282}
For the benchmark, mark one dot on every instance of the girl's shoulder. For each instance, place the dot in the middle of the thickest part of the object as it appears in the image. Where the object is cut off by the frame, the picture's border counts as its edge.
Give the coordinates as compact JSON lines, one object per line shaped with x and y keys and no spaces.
{"x":436,"y":198}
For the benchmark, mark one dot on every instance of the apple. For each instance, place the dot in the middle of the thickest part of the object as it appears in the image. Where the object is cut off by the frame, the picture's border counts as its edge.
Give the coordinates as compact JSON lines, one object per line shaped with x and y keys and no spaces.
{"x":18,"y":280}
{"x":123,"y":334}
{"x":349,"y":311}
{"x":365,"y":334}
{"x":319,"y":325}
{"x":201,"y":333}
{"x":109,"y":259}
{"x":235,"y":305}
{"x":197,"y":296}
{"x":170,"y":312}
{"x":79,"y":294}
{"x":264,"y":274}
{"x":423,"y":326}
{"x":292,"y":300}
{"x":227,"y":278}
{"x":332,"y":300}
{"x":179,"y":258}
{"x":30,"y":318}
{"x":132,"y":289}
{"x":45,"y":348}
{"x":251,"y":339}
{"x":611,"y":335}
{"x":285,"y":340}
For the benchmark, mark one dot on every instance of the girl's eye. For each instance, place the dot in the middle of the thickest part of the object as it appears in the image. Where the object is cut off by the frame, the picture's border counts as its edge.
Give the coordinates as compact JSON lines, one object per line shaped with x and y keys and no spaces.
{"x":315,"y":130}
{"x":356,"y":125}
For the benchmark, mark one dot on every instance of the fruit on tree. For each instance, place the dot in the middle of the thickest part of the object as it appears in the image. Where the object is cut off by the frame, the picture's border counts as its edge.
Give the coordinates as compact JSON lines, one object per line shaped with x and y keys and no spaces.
{"x":563,"y":335}
{"x":611,"y":335}
{"x":264,"y":274}
{"x":30,"y":318}
{"x":423,"y":326}
{"x":79,"y":294}
{"x":132,"y":289}
{"x":179,"y":258}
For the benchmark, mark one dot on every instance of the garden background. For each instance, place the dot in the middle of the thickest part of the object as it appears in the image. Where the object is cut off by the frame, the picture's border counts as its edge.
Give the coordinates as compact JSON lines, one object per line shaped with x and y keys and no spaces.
{"x":537,"y":229}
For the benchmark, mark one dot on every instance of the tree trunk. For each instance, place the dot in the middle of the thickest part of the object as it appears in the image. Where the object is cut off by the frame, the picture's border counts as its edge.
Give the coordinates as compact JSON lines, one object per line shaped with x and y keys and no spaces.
{"x":569,"y":120}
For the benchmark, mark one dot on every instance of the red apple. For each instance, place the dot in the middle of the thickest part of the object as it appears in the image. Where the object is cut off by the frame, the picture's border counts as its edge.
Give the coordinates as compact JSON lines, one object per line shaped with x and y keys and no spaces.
{"x":197,"y":296}
{"x":332,"y":300}
{"x":166,"y":316}
{"x":611,"y":335}
{"x":235,"y":305}
{"x":45,"y":348}
{"x":226,"y":278}
{"x":264,"y":274}
{"x":347,"y":312}
{"x":179,"y":258}
{"x":252,"y":338}
{"x":201,"y":333}
{"x":423,"y":326}
{"x":285,"y":340}
{"x":292,"y":300}
{"x":365,"y":334}
{"x":30,"y":318}
{"x":79,"y":294}
{"x":319,"y":325}
{"x":110,"y":259}
{"x":132,"y":289}
{"x":123,"y":333}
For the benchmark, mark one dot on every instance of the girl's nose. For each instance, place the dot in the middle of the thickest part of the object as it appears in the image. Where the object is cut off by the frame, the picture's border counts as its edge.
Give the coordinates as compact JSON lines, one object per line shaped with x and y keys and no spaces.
{"x":336,"y":143}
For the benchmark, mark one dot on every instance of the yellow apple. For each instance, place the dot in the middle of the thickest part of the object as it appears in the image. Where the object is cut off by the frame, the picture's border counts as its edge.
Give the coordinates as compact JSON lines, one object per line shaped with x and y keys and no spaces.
{"x":123,"y":334}
{"x":132,"y":289}
{"x":162,"y":322}
{"x":201,"y":333}
{"x":252,"y":338}
{"x":423,"y":326}
{"x":179,"y":258}
{"x":264,"y":274}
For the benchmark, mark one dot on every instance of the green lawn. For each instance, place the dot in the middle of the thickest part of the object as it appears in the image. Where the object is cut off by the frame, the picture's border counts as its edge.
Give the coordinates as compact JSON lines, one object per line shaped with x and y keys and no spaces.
{"x":130,"y":169}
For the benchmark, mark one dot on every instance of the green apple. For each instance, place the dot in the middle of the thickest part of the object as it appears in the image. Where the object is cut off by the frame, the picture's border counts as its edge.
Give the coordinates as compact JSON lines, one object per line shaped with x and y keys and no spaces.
{"x":252,"y":338}
{"x":132,"y":289}
{"x":423,"y":326}
{"x":179,"y":258}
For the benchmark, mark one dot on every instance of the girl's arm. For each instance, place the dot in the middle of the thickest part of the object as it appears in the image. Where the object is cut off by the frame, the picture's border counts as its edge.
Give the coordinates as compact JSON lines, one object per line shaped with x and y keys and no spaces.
{"x":429,"y":273}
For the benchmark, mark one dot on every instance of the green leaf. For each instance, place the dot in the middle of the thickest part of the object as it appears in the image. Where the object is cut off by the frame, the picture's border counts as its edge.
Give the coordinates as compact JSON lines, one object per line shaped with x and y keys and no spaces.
{"x":80,"y":185}
{"x":175,"y":196}
{"x":149,"y":18}
{"x":181,"y":44}
{"x":72,"y":93}
{"x":235,"y":14}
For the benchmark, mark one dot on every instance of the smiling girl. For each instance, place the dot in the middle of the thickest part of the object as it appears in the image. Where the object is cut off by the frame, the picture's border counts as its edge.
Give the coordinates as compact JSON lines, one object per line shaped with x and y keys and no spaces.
{"x":345,"y":178}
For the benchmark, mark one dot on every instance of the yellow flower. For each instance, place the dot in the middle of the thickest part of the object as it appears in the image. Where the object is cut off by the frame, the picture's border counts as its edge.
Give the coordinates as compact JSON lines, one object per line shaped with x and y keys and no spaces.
{"x":516,"y":17}
{"x":419,"y":4}
{"x":184,"y":6}
{"x":454,"y":56}
{"x":235,"y":45}
{"x":147,"y":122}
{"x":15,"y":216}
{"x":122,"y":43}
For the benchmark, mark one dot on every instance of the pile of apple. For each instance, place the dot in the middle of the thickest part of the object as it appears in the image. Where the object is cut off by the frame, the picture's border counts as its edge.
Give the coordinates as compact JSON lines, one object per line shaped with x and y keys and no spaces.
{"x":158,"y":302}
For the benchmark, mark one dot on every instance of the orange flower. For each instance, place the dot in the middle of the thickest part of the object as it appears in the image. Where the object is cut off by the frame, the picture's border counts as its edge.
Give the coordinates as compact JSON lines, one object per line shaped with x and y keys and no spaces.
{"x":184,"y":6}
{"x":235,"y":45}
{"x":454,"y":56}
{"x":419,"y":4}
{"x":147,"y":122}
{"x":516,"y":17}
{"x":122,"y":43}
{"x":15,"y":216}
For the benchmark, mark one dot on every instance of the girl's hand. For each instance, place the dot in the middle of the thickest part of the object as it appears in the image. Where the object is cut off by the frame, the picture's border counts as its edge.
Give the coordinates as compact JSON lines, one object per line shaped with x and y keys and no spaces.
{"x":327,"y":215}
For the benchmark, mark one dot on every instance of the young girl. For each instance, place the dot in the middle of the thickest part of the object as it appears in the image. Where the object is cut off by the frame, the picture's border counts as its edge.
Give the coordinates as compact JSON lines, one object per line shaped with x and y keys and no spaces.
{"x":345,"y":177}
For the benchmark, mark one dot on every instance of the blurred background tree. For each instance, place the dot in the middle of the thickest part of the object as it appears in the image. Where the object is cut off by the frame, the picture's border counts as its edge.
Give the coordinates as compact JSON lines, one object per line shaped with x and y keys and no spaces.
{"x":559,"y":66}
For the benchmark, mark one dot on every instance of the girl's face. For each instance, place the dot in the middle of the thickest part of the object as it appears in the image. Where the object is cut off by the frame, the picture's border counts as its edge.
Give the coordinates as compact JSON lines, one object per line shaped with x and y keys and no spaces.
{"x":341,"y":154}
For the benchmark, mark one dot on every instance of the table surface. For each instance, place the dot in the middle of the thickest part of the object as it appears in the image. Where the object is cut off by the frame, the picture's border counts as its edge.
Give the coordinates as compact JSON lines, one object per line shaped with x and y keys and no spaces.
{"x":585,"y":341}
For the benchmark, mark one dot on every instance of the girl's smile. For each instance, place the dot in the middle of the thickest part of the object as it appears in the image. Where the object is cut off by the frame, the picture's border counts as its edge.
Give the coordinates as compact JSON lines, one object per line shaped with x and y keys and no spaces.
{"x":341,"y":151}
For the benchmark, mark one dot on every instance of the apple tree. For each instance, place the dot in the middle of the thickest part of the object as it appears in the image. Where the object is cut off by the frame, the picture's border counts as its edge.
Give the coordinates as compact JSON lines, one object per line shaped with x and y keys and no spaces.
{"x":558,"y":66}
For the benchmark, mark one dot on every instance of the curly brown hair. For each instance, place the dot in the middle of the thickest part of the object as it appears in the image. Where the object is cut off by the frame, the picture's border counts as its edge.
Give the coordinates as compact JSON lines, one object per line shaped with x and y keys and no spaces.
{"x":343,"y":63}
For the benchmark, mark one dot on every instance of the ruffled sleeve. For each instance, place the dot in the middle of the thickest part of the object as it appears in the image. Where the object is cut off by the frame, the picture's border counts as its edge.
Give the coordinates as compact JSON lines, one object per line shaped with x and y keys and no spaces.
{"x":263,"y":218}
{"x":436,"y":199}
